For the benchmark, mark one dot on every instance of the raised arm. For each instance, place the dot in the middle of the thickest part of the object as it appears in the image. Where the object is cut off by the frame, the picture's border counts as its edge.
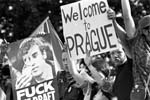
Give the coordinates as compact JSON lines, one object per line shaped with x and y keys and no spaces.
{"x":82,"y":76}
{"x":80,"y":79}
{"x":123,"y":38}
{"x":128,"y":19}
{"x":73,"y":70}
{"x":99,"y":77}
{"x":121,"y":33}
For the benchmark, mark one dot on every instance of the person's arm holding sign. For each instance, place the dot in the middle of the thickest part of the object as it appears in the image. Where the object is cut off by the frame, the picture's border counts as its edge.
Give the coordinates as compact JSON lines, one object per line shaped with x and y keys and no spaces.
{"x":120,"y":32}
{"x":81,"y":77}
{"x":128,"y":20}
{"x":72,"y":69}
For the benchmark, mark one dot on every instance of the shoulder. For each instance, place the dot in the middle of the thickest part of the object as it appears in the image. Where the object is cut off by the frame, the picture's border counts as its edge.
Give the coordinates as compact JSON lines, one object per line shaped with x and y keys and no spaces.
{"x":134,"y":39}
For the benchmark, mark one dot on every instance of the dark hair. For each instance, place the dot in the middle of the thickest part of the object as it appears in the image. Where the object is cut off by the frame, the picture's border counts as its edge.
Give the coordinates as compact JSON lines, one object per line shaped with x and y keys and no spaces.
{"x":26,"y":45}
{"x":99,"y":63}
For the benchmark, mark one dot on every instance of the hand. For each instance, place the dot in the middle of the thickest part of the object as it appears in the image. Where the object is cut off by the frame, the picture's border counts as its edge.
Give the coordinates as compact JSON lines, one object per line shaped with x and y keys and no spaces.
{"x":111,"y":14}
{"x":88,"y":59}
{"x":23,"y":81}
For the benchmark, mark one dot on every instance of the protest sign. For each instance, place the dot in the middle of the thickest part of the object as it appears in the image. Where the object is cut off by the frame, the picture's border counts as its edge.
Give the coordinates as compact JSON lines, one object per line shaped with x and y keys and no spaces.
{"x":87,"y":27}
{"x":33,"y":69}
{"x":46,"y":27}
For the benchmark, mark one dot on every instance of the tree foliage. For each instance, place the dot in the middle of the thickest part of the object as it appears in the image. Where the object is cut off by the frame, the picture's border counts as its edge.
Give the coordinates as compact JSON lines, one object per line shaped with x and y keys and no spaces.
{"x":19,"y":18}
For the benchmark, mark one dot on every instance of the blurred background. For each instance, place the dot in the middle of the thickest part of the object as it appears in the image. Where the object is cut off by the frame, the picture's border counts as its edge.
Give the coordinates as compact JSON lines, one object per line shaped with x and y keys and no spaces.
{"x":19,"y":18}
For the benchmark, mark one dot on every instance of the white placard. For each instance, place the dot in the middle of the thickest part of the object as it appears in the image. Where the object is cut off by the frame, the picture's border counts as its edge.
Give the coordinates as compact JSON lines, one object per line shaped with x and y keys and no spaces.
{"x":87,"y":27}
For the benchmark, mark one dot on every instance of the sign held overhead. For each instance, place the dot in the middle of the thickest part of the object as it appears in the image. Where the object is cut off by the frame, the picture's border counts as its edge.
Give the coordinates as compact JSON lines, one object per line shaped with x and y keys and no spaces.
{"x":87,"y":27}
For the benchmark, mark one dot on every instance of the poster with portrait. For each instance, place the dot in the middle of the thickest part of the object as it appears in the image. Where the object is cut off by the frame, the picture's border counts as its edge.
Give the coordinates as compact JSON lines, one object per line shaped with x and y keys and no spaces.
{"x":33,"y":69}
{"x":46,"y":27}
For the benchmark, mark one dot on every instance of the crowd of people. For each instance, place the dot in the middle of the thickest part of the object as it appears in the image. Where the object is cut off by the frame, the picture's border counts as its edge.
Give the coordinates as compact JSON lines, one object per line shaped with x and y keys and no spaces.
{"x":100,"y":77}
{"x":130,"y":78}
{"x":121,"y":74}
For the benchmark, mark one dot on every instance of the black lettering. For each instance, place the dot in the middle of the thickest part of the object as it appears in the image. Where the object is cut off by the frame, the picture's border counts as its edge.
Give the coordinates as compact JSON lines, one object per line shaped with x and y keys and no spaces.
{"x":75,"y":16}
{"x":67,"y":16}
{"x":96,"y":42}
{"x":109,"y":35}
{"x":80,"y":11}
{"x":104,"y":39}
{"x":78,"y":45}
{"x":85,"y":24}
{"x":95,"y":8}
{"x":85,"y":13}
{"x":90,"y":11}
{"x":102,"y":7}
{"x":70,"y":47}
{"x":87,"y":42}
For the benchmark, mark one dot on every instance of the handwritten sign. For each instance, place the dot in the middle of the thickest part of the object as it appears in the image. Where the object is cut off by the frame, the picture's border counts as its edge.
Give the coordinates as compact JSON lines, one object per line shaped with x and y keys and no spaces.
{"x":87,"y":27}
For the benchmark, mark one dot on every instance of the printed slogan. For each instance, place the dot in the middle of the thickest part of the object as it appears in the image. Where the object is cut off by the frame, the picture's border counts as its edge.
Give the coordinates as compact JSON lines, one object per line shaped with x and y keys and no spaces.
{"x":86,"y":27}
{"x":42,"y":91}
{"x":34,"y":79}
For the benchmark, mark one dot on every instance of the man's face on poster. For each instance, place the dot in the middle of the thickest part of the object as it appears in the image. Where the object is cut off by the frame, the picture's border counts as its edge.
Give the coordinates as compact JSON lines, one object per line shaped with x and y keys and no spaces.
{"x":34,"y":59}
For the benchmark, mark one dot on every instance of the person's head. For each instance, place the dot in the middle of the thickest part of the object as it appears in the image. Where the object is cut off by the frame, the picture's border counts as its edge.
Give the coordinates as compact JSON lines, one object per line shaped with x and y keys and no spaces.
{"x":65,"y":60}
{"x":144,"y":26}
{"x":99,"y":63}
{"x":34,"y":54}
{"x":118,"y":56}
